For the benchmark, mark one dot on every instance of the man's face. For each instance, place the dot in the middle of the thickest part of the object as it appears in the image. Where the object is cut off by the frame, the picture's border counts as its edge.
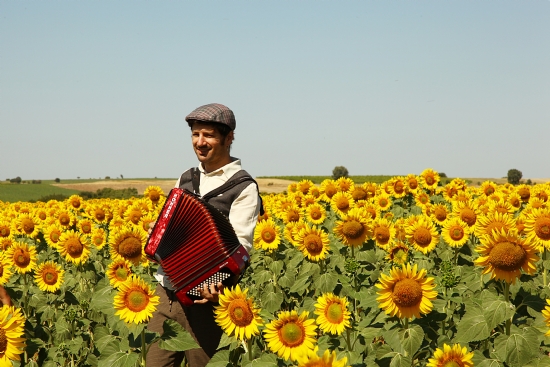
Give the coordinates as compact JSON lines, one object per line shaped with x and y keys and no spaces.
{"x":211,"y":148}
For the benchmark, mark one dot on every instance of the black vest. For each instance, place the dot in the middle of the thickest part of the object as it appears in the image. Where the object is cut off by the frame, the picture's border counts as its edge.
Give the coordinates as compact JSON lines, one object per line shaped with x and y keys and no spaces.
{"x":222,"y":197}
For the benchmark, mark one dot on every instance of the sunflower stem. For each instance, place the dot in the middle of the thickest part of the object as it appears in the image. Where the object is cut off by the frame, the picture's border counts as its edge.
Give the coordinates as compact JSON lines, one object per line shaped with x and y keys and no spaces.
{"x":143,"y":349}
{"x":544,"y":270}
{"x":406,"y":326}
{"x":249,"y":343}
{"x":507,"y":299}
{"x":348,"y":339}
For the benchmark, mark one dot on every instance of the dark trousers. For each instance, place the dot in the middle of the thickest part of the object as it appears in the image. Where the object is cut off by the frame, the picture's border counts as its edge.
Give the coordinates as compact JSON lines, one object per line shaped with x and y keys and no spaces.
{"x":198,"y":320}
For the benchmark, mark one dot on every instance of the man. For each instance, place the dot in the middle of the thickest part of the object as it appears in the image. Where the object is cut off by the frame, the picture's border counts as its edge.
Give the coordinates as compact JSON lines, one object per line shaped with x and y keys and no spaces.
{"x":212,"y":127}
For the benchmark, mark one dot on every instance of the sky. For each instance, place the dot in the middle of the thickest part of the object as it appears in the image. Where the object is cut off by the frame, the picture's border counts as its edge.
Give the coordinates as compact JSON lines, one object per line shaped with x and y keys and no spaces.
{"x":101,"y":88}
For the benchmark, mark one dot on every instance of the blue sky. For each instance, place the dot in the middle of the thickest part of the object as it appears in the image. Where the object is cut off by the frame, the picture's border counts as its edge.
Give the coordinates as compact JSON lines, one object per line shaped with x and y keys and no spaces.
{"x":101,"y":88}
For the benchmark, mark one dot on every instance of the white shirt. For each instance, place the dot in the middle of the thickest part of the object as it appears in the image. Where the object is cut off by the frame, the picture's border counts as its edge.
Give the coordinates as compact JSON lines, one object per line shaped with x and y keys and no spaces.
{"x":244,"y":211}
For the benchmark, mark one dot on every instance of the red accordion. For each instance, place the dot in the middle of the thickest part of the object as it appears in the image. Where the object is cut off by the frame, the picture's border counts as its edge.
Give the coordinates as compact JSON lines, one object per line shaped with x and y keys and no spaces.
{"x":195,"y":244}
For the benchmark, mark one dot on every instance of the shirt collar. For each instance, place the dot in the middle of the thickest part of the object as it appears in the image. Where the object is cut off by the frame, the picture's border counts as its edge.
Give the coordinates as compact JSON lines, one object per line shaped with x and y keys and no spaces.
{"x":228,"y":170}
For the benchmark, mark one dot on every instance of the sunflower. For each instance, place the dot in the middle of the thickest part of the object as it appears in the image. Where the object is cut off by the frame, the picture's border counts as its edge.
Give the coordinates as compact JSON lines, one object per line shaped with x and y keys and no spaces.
{"x":332,"y":312}
{"x":383,"y":232}
{"x":128,"y":243}
{"x":398,"y":254}
{"x":487,"y":223}
{"x":451,"y":356}
{"x":5,"y":229}
{"x":429,"y":179}
{"x":502,"y":206}
{"x":449,"y":191}
{"x":342,"y":202}
{"x":344,"y":184}
{"x":308,"y":200}
{"x":455,"y":232}
{"x":371,"y":188}
{"x":290,"y":335}
{"x":504,"y":254}
{"x":373,"y":211}
{"x":237,"y":314}
{"x":467,"y":211}
{"x":26,"y":224}
{"x":311,"y":359}
{"x":406,"y":292}
{"x":382,"y":201}
{"x":354,"y":228}
{"x":118,"y":272}
{"x":400,"y":230}
{"x":316,"y":214}
{"x":422,"y":235}
{"x":328,"y":190}
{"x":12,"y":331}
{"x":398,"y":187}
{"x":153,"y":193}
{"x":359,"y":193}
{"x":267,"y":235}
{"x":411,"y":183}
{"x":99,"y":213}
{"x":41,"y":214}
{"x":5,"y":269}
{"x":546,"y":314}
{"x":133,"y":214}
{"x":49,"y":276}
{"x":75,"y":202}
{"x":5,"y":243}
{"x":524,"y":192}
{"x":98,"y":238}
{"x":421,"y":198}
{"x":304,"y":185}
{"x":85,"y":226}
{"x":135,"y":301}
{"x":74,"y":247}
{"x":488,"y":188}
{"x":439,"y":213}
{"x":292,"y":214}
{"x":292,"y":188}
{"x":65,"y":218}
{"x":291,"y":230}
{"x":537,"y":227}
{"x":22,"y":257}
{"x":313,"y":242}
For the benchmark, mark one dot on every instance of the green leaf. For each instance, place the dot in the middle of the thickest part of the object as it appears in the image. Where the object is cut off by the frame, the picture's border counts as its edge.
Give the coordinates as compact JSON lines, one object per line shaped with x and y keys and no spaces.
{"x":220,"y":359}
{"x":103,"y":300}
{"x":401,"y":361}
{"x":262,"y":277}
{"x":472,"y":327}
{"x":266,"y":360}
{"x":411,"y":339}
{"x":496,"y":312}
{"x":271,"y":301}
{"x":119,"y":359}
{"x":106,"y":341}
{"x":517,"y":349}
{"x":300,"y":285}
{"x":176,"y":338}
{"x":286,"y":281}
{"x":276,"y":267}
{"x":391,"y":337}
{"x":479,"y":360}
{"x":326,"y":282}
{"x":75,"y":344}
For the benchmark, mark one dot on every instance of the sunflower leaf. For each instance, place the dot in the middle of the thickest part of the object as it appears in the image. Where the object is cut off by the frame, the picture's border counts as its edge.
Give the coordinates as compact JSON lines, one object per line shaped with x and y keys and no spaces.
{"x":496,"y":312}
{"x":411,"y":339}
{"x":518,"y":349}
{"x":119,"y":359}
{"x":300,"y":285}
{"x":472,"y":327}
{"x":220,"y":359}
{"x":175,"y":337}
{"x":400,"y":360}
{"x":326,"y":282}
{"x":266,"y":360}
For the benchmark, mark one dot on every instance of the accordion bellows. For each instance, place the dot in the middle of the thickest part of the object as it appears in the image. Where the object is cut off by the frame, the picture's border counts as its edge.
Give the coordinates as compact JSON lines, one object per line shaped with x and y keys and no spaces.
{"x":195,"y":244}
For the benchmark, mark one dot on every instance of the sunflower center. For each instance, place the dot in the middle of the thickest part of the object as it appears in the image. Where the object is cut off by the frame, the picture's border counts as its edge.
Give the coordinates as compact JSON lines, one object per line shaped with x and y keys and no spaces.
{"x":240,"y":312}
{"x":330,"y":191}
{"x":399,"y":187}
{"x":468,"y":216}
{"x":135,"y":216}
{"x":316,"y":213}
{"x":359,"y":194}
{"x":334,"y":313}
{"x":3,"y":341}
{"x":400,"y":233}
{"x":372,"y":212}
{"x":293,"y":216}
{"x":524,"y":194}
{"x":4,"y":231}
{"x":430,"y":180}
{"x":423,"y":199}
{"x":27,"y":225}
{"x":342,"y":203}
{"x":268,"y":235}
{"x":313,"y":244}
{"x":456,"y":233}
{"x":413,"y":184}
{"x":489,"y":190}
{"x":542,"y":228}
{"x":21,"y":258}
{"x":49,"y":276}
{"x":440,"y":214}
{"x":64,"y":219}
{"x":492,"y":226}
{"x":121,"y":273}
{"x":507,"y":256}
{"x":353,"y":229}
{"x":42,"y":215}
{"x":407,"y":293}
{"x":422,"y":237}
{"x":154,"y":196}
{"x":136,"y":300}
{"x":383,"y":202}
{"x":453,"y":363}
{"x":98,"y":240}
{"x":74,"y":247}
{"x":382,"y":234}
{"x":130,"y":247}
{"x":99,"y":214}
{"x":86,"y":228}
{"x":291,"y":334}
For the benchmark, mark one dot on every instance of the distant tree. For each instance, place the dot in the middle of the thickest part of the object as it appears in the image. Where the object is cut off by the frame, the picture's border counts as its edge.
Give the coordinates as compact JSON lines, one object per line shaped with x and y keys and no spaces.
{"x":121,"y":176}
{"x":78,"y":177}
{"x":529,"y":182}
{"x":514,"y":176}
{"x":442,"y":174}
{"x":107,"y":177}
{"x":339,"y":171}
{"x":57,"y":180}
{"x":16,"y":180}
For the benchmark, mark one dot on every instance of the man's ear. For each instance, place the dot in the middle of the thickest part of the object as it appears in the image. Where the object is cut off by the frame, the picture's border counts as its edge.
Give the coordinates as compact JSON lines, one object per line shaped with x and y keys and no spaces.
{"x":229,"y":138}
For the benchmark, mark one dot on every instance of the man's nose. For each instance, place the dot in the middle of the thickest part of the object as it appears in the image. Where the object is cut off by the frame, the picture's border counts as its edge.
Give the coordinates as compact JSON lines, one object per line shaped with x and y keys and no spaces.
{"x":201,"y":141}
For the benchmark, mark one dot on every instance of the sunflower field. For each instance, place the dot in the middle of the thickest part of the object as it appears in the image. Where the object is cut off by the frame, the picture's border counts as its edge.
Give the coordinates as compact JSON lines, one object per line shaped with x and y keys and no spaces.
{"x":408,"y":272}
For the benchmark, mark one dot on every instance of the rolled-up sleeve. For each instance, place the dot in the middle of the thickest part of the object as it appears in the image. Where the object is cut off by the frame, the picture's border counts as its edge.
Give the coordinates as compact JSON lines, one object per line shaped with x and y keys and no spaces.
{"x":243,"y":215}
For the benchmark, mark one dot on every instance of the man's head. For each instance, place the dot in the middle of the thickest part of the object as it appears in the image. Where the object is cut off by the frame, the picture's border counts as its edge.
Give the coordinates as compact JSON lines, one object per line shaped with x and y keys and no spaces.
{"x":212,"y":128}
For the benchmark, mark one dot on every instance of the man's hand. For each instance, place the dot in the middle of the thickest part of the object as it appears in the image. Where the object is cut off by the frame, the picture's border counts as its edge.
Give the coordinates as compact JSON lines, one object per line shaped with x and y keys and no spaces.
{"x":151,"y":225}
{"x":5,"y":298}
{"x":212,"y":294}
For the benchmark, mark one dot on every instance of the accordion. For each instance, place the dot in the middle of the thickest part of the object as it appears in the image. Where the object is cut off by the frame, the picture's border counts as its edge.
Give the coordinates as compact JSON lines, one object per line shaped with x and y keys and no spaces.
{"x":195,"y":244}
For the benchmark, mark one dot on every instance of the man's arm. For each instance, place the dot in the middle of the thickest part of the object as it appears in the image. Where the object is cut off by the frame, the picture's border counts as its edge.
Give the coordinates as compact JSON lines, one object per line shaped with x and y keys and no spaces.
{"x":244,"y":215}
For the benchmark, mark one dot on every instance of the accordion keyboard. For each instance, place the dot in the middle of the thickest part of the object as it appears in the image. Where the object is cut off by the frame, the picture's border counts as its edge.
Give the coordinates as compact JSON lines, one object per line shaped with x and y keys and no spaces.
{"x":214,"y":279}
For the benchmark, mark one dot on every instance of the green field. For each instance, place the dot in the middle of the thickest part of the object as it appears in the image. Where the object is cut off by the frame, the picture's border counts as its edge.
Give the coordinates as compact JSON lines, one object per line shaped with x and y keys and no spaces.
{"x":318,"y":179}
{"x":26,"y":192}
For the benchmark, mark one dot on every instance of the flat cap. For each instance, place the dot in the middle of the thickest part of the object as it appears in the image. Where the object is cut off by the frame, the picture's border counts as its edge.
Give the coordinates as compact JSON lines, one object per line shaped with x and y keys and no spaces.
{"x":213,"y":112}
